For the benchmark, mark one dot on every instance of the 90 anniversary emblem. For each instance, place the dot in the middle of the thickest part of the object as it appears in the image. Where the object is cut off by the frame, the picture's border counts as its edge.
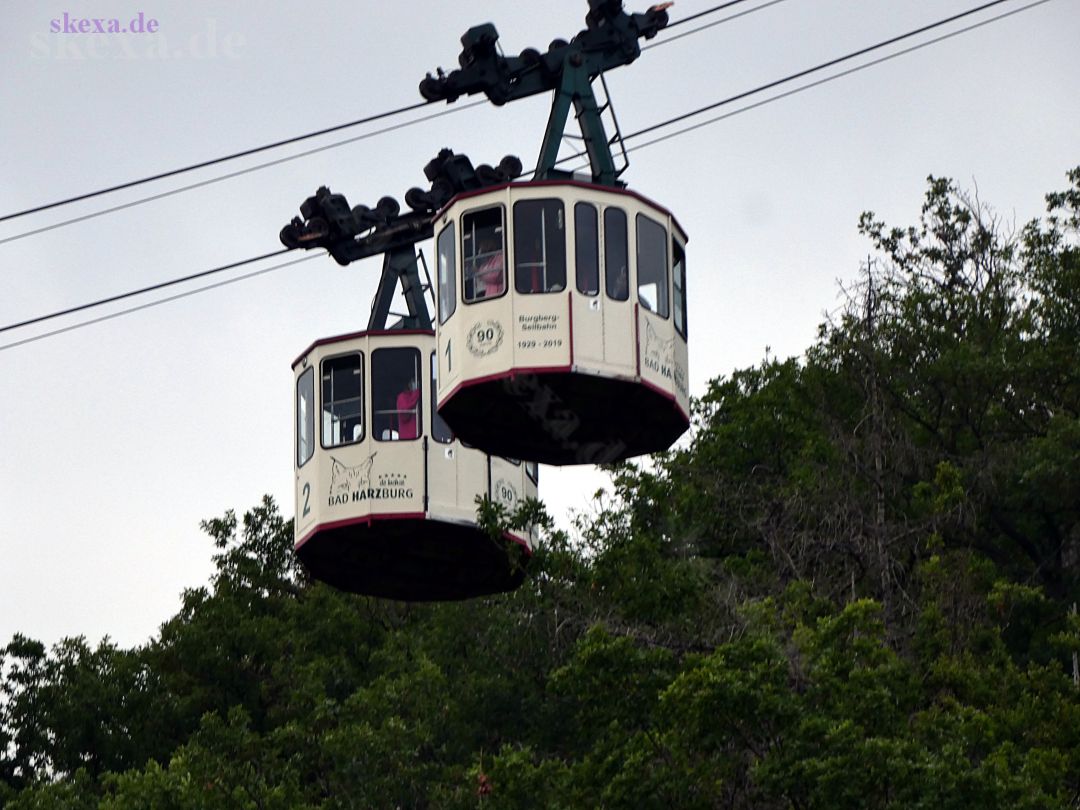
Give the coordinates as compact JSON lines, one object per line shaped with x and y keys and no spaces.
{"x":505,"y":493}
{"x":484,"y":338}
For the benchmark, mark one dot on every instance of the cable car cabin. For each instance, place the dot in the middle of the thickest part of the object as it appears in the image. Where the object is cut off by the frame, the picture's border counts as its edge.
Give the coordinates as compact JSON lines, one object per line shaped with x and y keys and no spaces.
{"x":385,"y":495}
{"x":562,"y":322}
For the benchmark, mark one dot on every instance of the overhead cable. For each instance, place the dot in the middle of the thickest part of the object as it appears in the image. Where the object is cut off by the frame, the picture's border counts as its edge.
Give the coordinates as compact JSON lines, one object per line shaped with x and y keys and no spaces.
{"x":828,"y":79}
{"x":148,"y":305}
{"x":823,"y":66}
{"x":214,"y":162}
{"x":285,"y":142}
{"x":660,"y":139}
{"x":132,"y":293}
{"x":248,"y":170}
{"x":704,"y":13}
{"x":705,"y":27}
{"x":816,"y":68}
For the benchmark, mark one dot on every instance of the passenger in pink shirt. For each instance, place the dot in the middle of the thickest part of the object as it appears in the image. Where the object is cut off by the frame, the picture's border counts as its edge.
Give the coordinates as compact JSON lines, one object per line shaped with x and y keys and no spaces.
{"x":490,"y":274}
{"x":407,"y":411}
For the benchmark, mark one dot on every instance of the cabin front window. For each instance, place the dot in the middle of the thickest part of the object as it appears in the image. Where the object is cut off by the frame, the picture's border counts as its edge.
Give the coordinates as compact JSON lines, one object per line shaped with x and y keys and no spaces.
{"x":396,"y":402}
{"x":678,"y":277}
{"x":652,"y":266}
{"x":587,"y":248}
{"x":616,"y":255}
{"x":447,"y":273}
{"x":342,"y":400}
{"x":305,"y":417}
{"x":539,"y":246}
{"x":483,"y":252}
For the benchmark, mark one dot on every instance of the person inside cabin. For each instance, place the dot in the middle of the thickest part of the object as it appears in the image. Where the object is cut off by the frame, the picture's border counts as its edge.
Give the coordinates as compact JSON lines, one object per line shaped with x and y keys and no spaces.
{"x":529,"y":265}
{"x":619,"y":283}
{"x":408,"y":410}
{"x":490,"y":273}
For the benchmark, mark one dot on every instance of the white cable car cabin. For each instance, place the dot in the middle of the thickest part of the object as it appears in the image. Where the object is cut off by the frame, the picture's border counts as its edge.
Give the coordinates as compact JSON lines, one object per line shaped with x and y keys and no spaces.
{"x":561,"y":304}
{"x":385,"y":494}
{"x":562,"y":322}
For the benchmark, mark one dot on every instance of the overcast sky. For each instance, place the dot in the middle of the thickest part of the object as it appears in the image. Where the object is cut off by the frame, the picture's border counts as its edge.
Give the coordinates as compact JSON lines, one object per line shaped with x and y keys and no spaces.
{"x":118,"y":438}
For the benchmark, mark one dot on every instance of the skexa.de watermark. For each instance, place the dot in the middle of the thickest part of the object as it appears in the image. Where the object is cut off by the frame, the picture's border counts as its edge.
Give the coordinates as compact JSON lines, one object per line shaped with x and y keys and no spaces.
{"x":68,"y":24}
{"x":138,"y":37}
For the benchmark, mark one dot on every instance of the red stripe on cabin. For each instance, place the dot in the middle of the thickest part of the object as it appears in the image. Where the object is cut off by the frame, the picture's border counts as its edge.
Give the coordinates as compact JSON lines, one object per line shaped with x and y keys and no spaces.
{"x":667,"y":395}
{"x":354,"y":335}
{"x":524,"y":184}
{"x":515,"y":539}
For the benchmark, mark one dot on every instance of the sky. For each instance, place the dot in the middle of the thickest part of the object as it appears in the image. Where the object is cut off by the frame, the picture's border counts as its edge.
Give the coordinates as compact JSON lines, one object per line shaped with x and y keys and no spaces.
{"x":118,"y":438}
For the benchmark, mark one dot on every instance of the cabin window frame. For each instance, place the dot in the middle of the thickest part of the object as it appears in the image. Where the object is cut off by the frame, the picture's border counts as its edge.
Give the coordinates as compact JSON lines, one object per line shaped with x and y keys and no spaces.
{"x":305,"y":416}
{"x":678,"y":286}
{"x":651,"y":241}
{"x":546,"y":273}
{"x":469,"y":237}
{"x":387,"y":409}
{"x":617,"y":285}
{"x":446,"y":250}
{"x":324,"y":402}
{"x":592,"y":232}
{"x":439,"y":428}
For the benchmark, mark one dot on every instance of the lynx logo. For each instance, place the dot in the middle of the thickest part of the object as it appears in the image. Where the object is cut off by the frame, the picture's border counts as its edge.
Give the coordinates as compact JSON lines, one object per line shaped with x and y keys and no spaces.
{"x":355,"y":484}
{"x":484,"y":338}
{"x":346,"y":482}
{"x":659,"y":354}
{"x":659,"y":358}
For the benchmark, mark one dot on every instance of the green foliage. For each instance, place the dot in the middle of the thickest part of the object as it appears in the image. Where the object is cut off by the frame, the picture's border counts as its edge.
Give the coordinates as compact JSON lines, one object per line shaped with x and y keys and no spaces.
{"x":853,"y":586}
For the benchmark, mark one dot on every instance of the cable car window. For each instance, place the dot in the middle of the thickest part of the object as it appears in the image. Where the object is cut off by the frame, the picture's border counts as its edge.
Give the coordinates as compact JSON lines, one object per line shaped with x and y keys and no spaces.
{"x":483,"y":254}
{"x":652,"y":266}
{"x":616,"y":255}
{"x":539,"y":246}
{"x":532,"y":469}
{"x":587,"y":248}
{"x":396,"y":404}
{"x":342,"y":400}
{"x":447,"y":273}
{"x":678,"y":278}
{"x":440,"y":431}
{"x":305,"y":417}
